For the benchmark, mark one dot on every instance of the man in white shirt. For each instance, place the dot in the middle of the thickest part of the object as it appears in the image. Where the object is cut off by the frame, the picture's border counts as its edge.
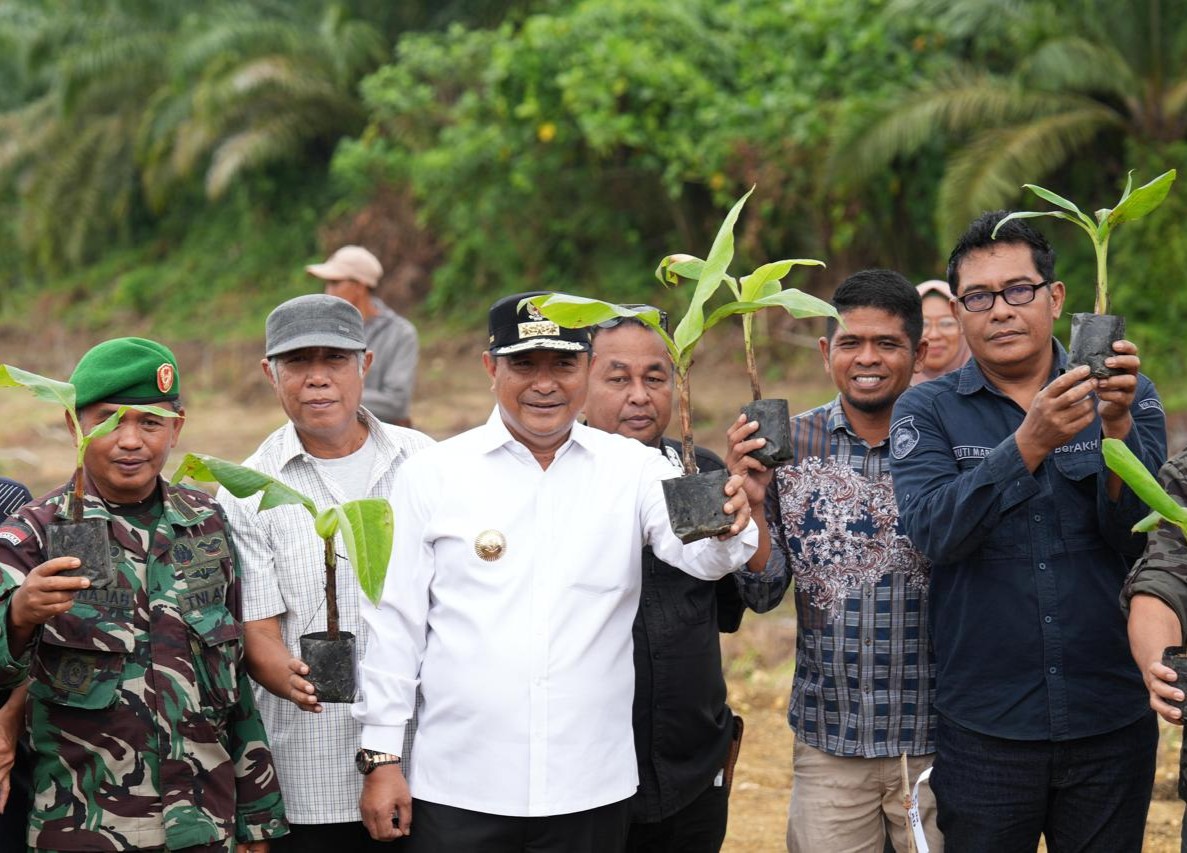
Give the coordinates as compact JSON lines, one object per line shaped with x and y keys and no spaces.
{"x":513,"y":586}
{"x":333,"y":450}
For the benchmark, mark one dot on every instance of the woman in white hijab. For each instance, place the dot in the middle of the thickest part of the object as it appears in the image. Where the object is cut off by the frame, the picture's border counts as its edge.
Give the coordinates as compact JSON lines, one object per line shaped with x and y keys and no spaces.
{"x":946,"y":347}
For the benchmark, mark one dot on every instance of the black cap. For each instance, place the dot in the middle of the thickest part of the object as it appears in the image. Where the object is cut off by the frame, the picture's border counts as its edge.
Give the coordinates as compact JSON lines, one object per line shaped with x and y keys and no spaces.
{"x":514,"y":329}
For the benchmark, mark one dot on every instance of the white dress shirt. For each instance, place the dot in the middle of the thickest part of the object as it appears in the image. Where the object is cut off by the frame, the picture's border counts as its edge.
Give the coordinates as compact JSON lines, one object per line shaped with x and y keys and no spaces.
{"x":524,"y":661}
{"x":284,"y":575}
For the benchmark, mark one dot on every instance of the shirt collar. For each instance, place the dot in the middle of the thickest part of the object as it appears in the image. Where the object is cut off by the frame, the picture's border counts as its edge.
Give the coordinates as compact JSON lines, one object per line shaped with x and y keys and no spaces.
{"x":837,"y":422}
{"x":496,"y":435}
{"x":290,"y":447}
{"x":835,"y":416}
{"x":972,"y":379}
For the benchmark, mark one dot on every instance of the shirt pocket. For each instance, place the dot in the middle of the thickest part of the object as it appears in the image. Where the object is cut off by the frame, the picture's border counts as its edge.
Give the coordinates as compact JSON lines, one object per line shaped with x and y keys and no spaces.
{"x":1075,"y":499}
{"x":694,"y":604}
{"x":215,"y":641}
{"x":79,"y":661}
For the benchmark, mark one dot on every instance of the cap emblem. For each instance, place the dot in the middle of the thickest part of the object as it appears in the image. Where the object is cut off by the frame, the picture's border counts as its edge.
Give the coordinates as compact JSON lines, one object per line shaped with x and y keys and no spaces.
{"x":534,"y":312}
{"x":544,"y":328}
{"x":165,"y":377}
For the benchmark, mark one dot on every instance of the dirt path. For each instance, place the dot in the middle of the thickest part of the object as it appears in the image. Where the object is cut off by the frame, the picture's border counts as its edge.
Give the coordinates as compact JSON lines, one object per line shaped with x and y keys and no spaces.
{"x":230,"y":409}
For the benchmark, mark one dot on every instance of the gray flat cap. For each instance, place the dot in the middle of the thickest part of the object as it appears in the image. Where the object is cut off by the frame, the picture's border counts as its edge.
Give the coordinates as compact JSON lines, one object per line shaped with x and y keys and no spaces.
{"x":314,"y":320}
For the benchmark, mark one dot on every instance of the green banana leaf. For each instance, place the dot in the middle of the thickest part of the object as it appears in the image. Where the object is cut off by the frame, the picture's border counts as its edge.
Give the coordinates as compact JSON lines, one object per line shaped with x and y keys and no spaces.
{"x":43,"y":388}
{"x":1121,"y":461}
{"x":367,"y":525}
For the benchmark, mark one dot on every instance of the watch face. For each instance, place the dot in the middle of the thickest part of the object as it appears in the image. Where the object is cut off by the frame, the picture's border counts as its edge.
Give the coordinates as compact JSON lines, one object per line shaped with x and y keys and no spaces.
{"x":361,"y":762}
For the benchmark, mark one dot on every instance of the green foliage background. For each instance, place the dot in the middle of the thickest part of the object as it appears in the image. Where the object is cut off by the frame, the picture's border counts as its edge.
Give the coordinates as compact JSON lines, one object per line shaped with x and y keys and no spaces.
{"x":171,"y":167}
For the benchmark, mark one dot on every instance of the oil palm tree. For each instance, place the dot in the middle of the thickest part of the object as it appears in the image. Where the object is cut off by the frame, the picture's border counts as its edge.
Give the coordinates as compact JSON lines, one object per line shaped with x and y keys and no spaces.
{"x":1103,"y":70}
{"x":254,"y":89}
{"x":125,"y":102}
{"x":69,"y":144}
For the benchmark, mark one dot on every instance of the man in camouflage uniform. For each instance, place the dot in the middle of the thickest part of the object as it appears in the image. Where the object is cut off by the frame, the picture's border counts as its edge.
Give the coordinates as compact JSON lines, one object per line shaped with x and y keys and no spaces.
{"x":1156,"y":596}
{"x":144,"y":731}
{"x":14,"y":755}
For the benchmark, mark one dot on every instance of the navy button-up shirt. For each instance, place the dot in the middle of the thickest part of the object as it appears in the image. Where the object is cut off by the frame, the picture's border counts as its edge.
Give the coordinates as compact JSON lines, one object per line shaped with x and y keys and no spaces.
{"x":1026,"y":568}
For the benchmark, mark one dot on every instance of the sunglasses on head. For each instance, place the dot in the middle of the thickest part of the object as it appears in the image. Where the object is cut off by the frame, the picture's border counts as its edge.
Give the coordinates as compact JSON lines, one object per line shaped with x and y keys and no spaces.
{"x":617,"y":321}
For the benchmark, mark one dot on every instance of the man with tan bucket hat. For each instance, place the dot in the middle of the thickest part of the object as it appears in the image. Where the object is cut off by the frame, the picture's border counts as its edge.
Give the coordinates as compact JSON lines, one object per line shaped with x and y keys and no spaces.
{"x":353,"y":273}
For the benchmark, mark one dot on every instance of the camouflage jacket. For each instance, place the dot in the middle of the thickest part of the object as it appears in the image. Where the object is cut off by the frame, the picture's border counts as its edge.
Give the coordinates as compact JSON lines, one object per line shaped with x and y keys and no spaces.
{"x":140,"y":713}
{"x":1161,"y":571}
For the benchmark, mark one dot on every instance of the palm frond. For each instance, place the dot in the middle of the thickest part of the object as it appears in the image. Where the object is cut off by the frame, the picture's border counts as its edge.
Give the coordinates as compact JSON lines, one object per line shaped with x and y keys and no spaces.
{"x":25,"y":131}
{"x":133,"y":64}
{"x":275,"y":139}
{"x":989,"y":172}
{"x":1077,"y":64}
{"x":959,"y":104}
{"x":1174,"y":102}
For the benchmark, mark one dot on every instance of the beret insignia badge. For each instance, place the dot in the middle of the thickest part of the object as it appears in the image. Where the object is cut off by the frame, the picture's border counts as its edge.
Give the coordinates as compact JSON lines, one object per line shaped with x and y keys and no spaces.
{"x":165,"y":377}
{"x":490,"y":545}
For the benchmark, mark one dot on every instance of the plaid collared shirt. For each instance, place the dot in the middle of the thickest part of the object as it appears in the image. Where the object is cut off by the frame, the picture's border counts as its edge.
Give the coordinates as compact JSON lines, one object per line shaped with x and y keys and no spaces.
{"x":864,"y":677}
{"x":284,"y":576}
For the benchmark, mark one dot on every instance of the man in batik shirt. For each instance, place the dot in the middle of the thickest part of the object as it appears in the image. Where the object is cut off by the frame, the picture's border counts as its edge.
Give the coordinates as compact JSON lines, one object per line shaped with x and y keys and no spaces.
{"x":863,"y":684}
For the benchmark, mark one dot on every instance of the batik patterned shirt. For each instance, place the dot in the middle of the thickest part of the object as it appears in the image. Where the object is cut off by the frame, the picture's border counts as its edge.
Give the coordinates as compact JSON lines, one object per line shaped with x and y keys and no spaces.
{"x":864,"y":677}
{"x":140,"y":712}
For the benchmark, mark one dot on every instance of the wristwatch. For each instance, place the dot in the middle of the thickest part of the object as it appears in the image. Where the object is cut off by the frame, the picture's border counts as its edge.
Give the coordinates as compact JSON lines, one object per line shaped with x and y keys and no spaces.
{"x":367,"y":760}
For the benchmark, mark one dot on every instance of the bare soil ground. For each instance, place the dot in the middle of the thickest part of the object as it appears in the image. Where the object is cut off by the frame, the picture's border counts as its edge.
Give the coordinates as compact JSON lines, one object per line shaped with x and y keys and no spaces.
{"x":230,"y":409}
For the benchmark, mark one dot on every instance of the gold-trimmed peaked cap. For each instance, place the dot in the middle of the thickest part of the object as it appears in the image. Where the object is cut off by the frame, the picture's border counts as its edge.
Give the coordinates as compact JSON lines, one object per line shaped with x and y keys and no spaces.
{"x":514,"y":329}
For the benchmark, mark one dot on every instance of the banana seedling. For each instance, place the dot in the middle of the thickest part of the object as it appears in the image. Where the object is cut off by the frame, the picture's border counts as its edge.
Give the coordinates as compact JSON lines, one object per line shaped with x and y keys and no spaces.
{"x":366,"y":526}
{"x":1093,"y":334}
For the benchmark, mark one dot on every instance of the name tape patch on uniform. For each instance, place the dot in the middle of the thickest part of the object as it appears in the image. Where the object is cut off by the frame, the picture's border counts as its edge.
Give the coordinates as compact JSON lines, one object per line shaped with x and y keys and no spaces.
{"x":970,"y":451}
{"x":1079,"y":446}
{"x":903,"y":437}
{"x":119,"y":598}
{"x":1151,"y":403}
{"x":202,"y":594}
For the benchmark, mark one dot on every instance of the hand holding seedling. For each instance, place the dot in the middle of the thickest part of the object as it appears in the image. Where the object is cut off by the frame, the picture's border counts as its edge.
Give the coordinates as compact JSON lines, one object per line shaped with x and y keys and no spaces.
{"x":1057,"y":413}
{"x":758,"y":478}
{"x":302,"y":693}
{"x":737,"y":460}
{"x":1116,"y":393}
{"x":43,"y":595}
{"x":1161,"y":683}
{"x":737,"y":505}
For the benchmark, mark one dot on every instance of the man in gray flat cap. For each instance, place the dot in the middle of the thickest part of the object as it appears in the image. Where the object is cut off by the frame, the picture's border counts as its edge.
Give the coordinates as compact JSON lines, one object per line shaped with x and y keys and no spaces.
{"x":352,"y":273}
{"x":333,"y":449}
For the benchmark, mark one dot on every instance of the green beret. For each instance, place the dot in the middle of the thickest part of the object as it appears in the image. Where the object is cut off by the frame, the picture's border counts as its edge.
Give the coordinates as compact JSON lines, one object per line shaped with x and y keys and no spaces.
{"x":126,"y":370}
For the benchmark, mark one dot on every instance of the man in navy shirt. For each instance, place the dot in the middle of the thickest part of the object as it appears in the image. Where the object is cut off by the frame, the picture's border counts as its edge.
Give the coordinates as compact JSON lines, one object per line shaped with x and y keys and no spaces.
{"x":1044,"y":725}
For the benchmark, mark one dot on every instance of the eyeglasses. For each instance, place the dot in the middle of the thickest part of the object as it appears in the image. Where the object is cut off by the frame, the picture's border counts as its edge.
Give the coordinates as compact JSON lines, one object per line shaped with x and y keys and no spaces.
{"x":617,"y":321}
{"x":944,"y":324}
{"x":1015,"y":294}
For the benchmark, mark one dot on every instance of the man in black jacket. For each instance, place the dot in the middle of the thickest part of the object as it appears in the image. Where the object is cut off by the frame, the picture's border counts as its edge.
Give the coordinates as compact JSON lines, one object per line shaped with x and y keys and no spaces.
{"x":684,"y":729}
